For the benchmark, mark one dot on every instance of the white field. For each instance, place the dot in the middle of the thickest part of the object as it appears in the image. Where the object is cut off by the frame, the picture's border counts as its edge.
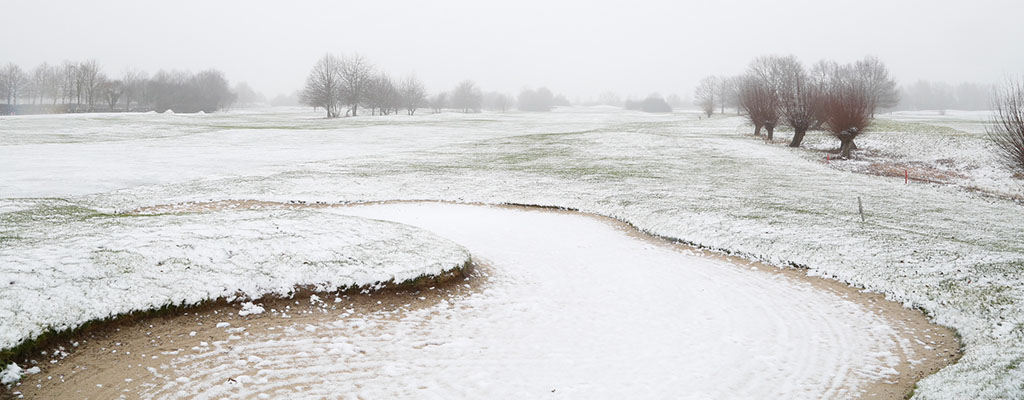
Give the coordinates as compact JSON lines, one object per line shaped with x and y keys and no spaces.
{"x":956,"y":253}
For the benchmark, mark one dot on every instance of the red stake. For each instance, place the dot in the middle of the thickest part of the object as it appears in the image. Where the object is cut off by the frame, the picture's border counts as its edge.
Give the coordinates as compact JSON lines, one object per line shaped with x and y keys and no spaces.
{"x":906,"y":176}
{"x":826,"y":158}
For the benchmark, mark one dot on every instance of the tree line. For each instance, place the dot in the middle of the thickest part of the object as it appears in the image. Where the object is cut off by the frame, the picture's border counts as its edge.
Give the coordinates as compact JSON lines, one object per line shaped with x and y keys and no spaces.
{"x":84,"y":87}
{"x":779,"y":90}
{"x":344,"y":85}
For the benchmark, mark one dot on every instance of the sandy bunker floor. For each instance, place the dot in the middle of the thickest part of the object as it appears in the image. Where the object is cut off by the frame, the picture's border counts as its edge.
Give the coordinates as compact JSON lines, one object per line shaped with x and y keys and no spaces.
{"x":564,"y":306}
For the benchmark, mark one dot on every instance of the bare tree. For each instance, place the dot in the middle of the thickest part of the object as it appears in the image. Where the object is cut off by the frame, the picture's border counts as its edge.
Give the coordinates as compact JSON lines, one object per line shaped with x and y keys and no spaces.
{"x":706,"y":94}
{"x":15,"y":81}
{"x":89,"y":80}
{"x":875,"y":77}
{"x":1007,"y":128}
{"x":134,"y":85}
{"x":356,"y":77}
{"x":763,"y":83}
{"x":382,"y":95}
{"x":847,"y":104}
{"x":325,"y":86}
{"x":497,"y":101}
{"x":68,"y":81}
{"x":467,"y":97}
{"x":111,"y":91}
{"x":728,"y":93}
{"x":761,"y":105}
{"x":439,"y":102}
{"x":414,"y":95}
{"x":799,"y":100}
{"x":40,"y":82}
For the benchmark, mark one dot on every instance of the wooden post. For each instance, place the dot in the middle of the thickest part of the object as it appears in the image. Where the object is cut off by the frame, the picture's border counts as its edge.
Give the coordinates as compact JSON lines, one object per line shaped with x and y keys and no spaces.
{"x":860,"y":208}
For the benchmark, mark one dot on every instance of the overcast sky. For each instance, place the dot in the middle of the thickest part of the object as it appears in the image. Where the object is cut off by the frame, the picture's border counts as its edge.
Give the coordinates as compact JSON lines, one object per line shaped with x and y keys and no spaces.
{"x":580,"y":48}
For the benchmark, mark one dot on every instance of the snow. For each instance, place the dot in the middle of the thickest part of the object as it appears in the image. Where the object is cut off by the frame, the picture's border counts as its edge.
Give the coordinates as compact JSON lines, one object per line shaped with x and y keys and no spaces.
{"x":248,"y":308}
{"x":953,"y":252}
{"x":568,"y":303}
{"x":10,"y":374}
{"x":67,"y":265}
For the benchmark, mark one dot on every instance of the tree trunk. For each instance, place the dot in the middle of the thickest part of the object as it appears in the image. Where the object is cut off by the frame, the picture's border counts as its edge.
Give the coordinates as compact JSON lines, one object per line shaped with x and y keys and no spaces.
{"x":757,"y":130}
{"x":798,"y":136}
{"x":845,"y":147}
{"x":771,"y":131}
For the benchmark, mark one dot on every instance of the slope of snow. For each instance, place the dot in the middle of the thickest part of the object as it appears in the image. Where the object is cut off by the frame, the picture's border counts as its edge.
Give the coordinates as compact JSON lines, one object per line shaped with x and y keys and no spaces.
{"x":62,"y":265}
{"x":571,"y":307}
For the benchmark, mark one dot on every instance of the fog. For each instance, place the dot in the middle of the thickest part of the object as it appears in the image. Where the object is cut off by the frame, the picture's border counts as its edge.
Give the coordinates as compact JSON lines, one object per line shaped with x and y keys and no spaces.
{"x":578,"y":48}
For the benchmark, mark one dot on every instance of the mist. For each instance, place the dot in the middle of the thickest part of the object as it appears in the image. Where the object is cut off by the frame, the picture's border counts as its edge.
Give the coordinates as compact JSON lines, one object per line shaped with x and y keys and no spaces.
{"x":578,"y":48}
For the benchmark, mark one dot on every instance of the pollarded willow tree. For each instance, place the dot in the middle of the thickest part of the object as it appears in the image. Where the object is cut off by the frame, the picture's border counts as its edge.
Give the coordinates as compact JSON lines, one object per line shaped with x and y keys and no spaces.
{"x":846,"y":107}
{"x":1007,"y":128}
{"x":760,"y":90}
{"x":799,"y":100}
{"x":756,"y":98}
{"x":324,"y":86}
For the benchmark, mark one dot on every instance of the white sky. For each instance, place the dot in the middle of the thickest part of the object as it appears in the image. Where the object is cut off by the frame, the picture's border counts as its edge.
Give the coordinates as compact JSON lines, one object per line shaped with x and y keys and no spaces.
{"x":580,"y":48}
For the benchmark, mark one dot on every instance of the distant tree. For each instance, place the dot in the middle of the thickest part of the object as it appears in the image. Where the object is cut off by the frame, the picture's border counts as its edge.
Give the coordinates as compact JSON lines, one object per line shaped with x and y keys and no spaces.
{"x":382,"y":95}
{"x":68,"y":81}
{"x":654,"y":103}
{"x":414,"y":95}
{"x":728,"y":93}
{"x":89,"y":80}
{"x":467,"y":97}
{"x":209,"y":92}
{"x":1007,"y":128}
{"x":706,"y":94}
{"x":439,"y":102}
{"x":357,"y":75}
{"x":875,"y":77}
{"x":799,"y":100}
{"x":325,"y":86}
{"x":40,"y":82}
{"x":14,"y":82}
{"x":847,"y":103}
{"x":245,"y":95}
{"x":536,"y":100}
{"x":134,"y":81}
{"x":496,"y":101}
{"x":111,"y":91}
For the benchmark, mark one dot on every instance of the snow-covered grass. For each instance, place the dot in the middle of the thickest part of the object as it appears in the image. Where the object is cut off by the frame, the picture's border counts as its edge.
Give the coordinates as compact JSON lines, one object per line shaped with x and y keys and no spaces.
{"x":64,"y":265}
{"x":951,"y":149}
{"x":954,"y":253}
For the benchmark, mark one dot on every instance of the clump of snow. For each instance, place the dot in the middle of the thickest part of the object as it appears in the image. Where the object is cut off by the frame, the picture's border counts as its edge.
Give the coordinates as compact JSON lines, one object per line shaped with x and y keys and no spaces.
{"x":10,"y":374}
{"x":248,"y":308}
{"x":169,"y":111}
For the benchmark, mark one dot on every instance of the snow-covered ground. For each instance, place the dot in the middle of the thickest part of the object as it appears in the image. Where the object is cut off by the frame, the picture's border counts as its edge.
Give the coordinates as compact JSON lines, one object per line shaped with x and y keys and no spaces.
{"x":571,"y":308}
{"x":950,"y":148}
{"x":955,"y":253}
